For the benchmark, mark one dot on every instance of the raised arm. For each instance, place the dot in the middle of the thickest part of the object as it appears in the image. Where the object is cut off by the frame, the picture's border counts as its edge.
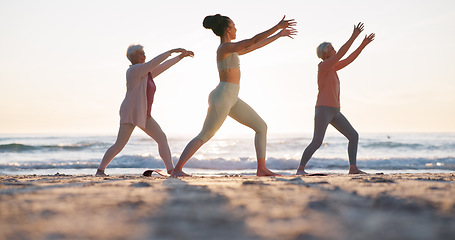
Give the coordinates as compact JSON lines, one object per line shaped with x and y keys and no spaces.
{"x":286,"y":32}
{"x":143,"y":69}
{"x":342,"y":51}
{"x":343,"y":63}
{"x":160,"y":58}
{"x":169,"y":63}
{"x":242,"y":45}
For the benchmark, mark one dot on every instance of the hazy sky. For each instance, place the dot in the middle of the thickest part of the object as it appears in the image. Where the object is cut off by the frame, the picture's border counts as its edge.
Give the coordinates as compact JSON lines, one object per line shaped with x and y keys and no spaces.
{"x":63,"y":63}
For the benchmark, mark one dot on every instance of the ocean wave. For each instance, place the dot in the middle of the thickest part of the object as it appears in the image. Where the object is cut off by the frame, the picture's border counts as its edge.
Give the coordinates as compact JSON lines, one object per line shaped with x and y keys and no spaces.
{"x":20,"y":148}
{"x":136,"y":161}
{"x":15,"y":147}
{"x":393,"y":145}
{"x":396,"y":146}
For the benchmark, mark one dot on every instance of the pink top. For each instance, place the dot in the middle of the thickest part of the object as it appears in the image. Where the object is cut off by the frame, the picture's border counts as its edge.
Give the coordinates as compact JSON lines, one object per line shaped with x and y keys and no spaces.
{"x":151,"y":89}
{"x":134,"y":107}
{"x":328,"y":85}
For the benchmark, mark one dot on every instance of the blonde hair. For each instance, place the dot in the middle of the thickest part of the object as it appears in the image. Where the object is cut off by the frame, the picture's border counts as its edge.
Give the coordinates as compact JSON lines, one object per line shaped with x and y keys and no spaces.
{"x":322,"y":48}
{"x":132,"y":49}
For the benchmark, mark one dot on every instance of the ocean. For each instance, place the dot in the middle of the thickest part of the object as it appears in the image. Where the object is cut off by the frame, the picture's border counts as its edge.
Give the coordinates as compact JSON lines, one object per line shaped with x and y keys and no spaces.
{"x":70,"y":154}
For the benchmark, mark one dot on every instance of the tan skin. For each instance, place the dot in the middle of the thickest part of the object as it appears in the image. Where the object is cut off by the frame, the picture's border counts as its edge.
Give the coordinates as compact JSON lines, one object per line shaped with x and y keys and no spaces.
{"x":152,"y":128}
{"x":233,"y":76}
{"x":331,"y":55}
{"x":140,"y":57}
{"x":227,"y":46}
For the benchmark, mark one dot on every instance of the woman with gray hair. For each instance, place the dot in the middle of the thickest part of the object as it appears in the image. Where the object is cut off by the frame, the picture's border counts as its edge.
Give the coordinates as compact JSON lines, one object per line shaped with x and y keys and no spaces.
{"x":328,"y":102}
{"x":136,"y":107}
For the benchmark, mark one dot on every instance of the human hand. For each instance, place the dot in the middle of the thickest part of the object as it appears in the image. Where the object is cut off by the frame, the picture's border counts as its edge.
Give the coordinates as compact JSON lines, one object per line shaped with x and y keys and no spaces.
{"x":358,"y":29}
{"x":368,"y":39}
{"x":187,"y":54}
{"x":286,"y":23}
{"x":177,"y":50}
{"x":288,"y":32}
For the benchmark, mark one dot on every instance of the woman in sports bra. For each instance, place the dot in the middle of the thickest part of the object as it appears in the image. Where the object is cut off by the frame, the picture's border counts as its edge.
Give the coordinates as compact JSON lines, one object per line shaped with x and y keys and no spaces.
{"x":223,"y":100}
{"x":137,"y":105}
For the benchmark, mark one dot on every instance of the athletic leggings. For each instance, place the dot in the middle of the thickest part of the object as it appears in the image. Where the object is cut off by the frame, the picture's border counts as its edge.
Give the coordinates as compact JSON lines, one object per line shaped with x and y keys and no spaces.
{"x":323,"y":116}
{"x":224,"y":101}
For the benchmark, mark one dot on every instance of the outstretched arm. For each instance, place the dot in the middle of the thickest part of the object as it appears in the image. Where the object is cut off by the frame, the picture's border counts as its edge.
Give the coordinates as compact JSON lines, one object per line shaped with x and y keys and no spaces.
{"x":143,"y":69}
{"x":169,"y":63}
{"x":242,"y":45}
{"x":342,"y":51}
{"x":286,"y":32}
{"x":343,"y":63}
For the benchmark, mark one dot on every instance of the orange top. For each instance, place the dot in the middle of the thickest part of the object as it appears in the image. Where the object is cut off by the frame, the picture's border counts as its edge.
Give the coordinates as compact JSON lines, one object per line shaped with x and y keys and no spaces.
{"x":328,"y":85}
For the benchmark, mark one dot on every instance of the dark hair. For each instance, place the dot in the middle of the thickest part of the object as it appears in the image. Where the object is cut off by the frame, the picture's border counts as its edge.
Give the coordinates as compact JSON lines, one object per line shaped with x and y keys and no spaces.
{"x":217,"y":23}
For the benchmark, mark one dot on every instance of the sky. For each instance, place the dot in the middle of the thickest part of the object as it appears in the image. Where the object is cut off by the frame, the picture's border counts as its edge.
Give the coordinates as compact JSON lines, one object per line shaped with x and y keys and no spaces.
{"x":63,"y":63}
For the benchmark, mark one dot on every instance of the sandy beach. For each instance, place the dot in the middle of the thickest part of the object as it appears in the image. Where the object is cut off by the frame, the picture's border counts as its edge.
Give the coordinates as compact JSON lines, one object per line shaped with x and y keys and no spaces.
{"x":394,"y":206}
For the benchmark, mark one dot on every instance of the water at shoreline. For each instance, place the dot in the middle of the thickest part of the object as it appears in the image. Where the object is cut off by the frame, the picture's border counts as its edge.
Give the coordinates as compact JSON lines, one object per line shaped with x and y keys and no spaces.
{"x":394,"y":153}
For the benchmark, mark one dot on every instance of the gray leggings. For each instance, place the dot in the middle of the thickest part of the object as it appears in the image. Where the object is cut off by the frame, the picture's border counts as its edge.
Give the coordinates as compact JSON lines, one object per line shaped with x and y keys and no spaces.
{"x":322,"y":118}
{"x":223,"y":102}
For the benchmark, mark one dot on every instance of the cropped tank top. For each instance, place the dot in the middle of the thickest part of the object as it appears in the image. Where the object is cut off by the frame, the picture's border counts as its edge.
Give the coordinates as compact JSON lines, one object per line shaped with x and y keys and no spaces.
{"x":230,"y":62}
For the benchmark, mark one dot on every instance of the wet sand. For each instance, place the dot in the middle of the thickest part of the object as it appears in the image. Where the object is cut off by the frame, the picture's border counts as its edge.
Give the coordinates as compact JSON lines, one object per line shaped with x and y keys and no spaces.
{"x":395,"y":206}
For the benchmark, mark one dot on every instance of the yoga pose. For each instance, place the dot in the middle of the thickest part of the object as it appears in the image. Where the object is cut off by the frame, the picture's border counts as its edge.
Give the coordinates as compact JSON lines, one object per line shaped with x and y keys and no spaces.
{"x":328,"y":102}
{"x":136,"y":107}
{"x":224,"y":100}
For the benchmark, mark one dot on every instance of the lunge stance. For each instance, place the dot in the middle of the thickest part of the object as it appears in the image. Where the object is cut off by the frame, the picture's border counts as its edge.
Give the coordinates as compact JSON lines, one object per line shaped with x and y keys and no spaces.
{"x":224,"y":100}
{"x":136,"y":107}
{"x":328,"y":103}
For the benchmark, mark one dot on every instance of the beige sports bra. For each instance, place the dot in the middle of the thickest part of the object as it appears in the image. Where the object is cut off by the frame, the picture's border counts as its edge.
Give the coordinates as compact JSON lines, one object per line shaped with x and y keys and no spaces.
{"x":231,"y":61}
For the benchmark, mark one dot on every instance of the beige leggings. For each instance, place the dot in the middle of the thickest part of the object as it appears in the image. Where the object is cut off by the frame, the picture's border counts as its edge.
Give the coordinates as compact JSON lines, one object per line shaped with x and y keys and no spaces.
{"x":224,"y":101}
{"x":152,"y":129}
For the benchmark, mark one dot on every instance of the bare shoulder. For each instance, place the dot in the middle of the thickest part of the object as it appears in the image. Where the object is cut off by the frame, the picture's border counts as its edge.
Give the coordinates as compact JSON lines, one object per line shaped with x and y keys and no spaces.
{"x":223,"y":51}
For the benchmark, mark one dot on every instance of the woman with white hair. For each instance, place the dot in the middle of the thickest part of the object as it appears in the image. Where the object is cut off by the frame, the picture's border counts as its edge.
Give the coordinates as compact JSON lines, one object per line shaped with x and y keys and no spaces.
{"x":136,"y":107}
{"x":328,"y":102}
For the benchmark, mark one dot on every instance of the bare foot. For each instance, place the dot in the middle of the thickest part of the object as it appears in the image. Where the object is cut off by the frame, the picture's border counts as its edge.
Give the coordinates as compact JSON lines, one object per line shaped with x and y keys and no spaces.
{"x":265,"y":172}
{"x":355,"y":170}
{"x":179,"y":173}
{"x":301,"y":172}
{"x":100,"y":173}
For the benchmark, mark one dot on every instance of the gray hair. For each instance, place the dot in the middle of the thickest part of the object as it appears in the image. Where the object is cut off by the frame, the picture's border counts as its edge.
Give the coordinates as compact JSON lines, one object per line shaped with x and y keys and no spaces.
{"x":322,"y":48}
{"x":132,"y":49}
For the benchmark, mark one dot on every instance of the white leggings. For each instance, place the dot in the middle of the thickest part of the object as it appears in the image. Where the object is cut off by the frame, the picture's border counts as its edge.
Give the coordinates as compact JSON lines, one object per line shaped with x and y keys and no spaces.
{"x":224,"y":101}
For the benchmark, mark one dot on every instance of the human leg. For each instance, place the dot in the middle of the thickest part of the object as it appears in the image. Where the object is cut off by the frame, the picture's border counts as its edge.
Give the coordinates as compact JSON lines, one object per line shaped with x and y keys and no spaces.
{"x":245,"y":115}
{"x":219,"y":106}
{"x":189,"y":151}
{"x":344,"y":127}
{"x":153,"y":129}
{"x":212,"y":123}
{"x":124,"y":134}
{"x":322,"y":118}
